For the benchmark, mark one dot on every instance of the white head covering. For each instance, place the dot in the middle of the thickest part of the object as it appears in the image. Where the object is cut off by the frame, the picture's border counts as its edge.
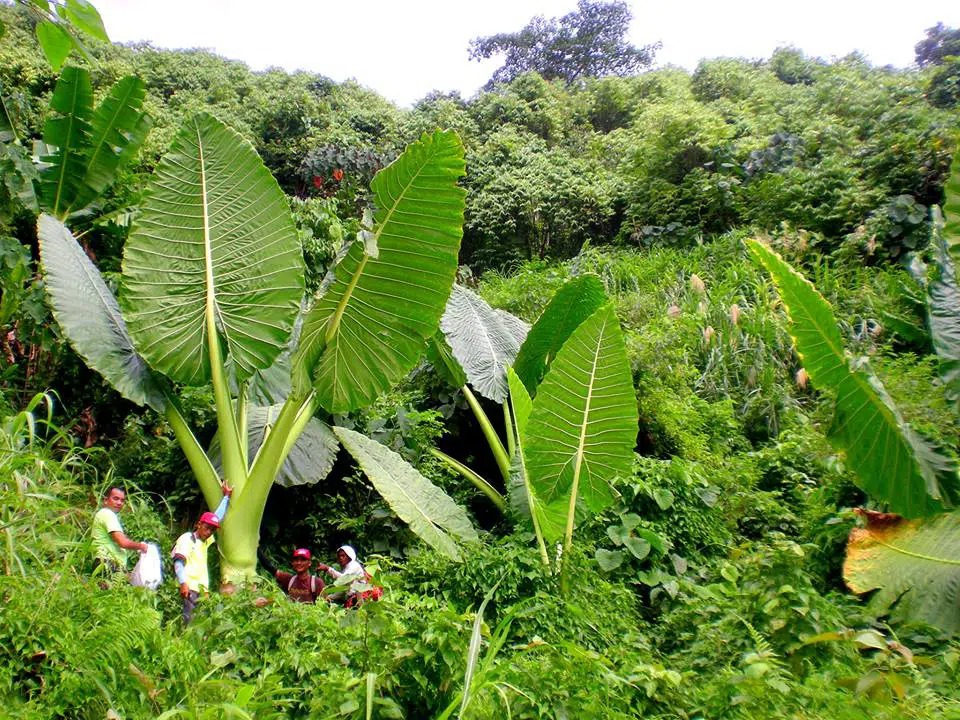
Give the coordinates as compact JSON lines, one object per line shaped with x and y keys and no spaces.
{"x":351,"y":553}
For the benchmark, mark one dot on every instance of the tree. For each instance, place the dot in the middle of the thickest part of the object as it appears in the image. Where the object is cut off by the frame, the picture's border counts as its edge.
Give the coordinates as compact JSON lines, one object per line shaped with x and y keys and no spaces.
{"x":941,"y":42}
{"x":589,"y":42}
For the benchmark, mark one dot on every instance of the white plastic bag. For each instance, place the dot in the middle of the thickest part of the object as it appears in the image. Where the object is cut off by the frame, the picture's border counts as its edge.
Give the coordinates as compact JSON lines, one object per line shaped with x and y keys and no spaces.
{"x":148,"y":573}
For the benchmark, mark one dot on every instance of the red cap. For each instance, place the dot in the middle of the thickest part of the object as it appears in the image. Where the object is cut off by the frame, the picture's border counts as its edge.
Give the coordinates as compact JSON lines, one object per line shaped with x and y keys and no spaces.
{"x":210,"y":519}
{"x":302,"y":553}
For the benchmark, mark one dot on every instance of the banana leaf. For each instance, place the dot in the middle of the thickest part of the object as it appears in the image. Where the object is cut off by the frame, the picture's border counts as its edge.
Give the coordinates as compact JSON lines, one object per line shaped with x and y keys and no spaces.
{"x":69,"y":129}
{"x":892,"y":462}
{"x":913,"y":565}
{"x":118,"y":129}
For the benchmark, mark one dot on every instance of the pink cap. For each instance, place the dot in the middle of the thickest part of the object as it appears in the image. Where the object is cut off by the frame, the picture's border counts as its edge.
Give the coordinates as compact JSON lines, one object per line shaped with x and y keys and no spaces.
{"x":210,"y":519}
{"x":302,"y":553}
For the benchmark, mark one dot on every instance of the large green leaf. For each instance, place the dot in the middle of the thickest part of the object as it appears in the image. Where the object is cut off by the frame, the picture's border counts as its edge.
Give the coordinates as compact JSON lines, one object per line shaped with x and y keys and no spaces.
{"x":483,"y":342}
{"x":118,"y":129}
{"x":429,"y":511}
{"x":573,"y":303}
{"x":371,"y":326}
{"x":951,"y":209}
{"x":892,"y":462}
{"x":55,"y":42}
{"x":90,"y":317}
{"x":943,"y":312}
{"x":69,"y":130}
{"x":914,"y":565}
{"x":310,"y":459}
{"x":214,"y":246}
{"x":583,"y":426}
{"x":85,"y":17}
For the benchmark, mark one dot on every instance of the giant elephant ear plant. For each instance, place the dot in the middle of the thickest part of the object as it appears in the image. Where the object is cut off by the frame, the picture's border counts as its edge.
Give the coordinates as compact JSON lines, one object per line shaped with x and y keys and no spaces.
{"x":570,"y":412}
{"x":211,"y":290}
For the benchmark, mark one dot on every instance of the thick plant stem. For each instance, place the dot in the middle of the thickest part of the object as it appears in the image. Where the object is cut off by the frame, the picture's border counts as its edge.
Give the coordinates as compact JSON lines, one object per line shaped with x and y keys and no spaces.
{"x":240,"y":534}
{"x":233,"y":458}
{"x":238,"y":548}
{"x":478,"y":481}
{"x":202,"y":468}
{"x":496,"y":447}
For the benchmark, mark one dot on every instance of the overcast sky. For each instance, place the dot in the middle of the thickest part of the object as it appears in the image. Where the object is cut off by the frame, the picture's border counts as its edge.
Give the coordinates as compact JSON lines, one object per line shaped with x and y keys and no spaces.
{"x":403,"y":49}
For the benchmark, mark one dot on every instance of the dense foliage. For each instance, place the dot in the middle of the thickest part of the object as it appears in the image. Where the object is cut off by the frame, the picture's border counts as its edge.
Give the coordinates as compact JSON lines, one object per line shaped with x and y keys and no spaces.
{"x":709,"y":581}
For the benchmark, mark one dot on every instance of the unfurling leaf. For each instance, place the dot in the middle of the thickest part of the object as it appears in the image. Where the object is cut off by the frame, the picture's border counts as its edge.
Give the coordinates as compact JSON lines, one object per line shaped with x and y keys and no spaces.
{"x":573,"y":303}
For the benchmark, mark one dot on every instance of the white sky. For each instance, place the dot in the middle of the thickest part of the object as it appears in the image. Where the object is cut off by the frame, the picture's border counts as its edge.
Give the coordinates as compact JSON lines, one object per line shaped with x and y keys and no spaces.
{"x":403,"y":49}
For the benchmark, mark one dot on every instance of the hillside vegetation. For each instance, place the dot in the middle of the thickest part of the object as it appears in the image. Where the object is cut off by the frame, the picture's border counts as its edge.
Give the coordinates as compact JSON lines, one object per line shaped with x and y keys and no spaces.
{"x":705,"y":579}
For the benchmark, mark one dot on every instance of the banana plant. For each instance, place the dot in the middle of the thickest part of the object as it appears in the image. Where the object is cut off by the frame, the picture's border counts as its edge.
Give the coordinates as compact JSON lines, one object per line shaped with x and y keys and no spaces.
{"x":571,"y":414}
{"x":893,"y":464}
{"x":212,"y":284}
{"x":86,"y":147}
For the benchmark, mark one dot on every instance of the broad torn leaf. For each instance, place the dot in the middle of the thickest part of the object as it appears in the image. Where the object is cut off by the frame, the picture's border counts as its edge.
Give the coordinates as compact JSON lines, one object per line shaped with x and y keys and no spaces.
{"x":573,"y":303}
{"x":583,"y":426}
{"x":913,"y":565}
{"x":481,"y":341}
{"x":943,"y":313}
{"x":311,"y":458}
{"x":68,"y":130}
{"x":892,"y":462}
{"x":429,"y":511}
{"x":118,"y":129}
{"x":89,"y":316}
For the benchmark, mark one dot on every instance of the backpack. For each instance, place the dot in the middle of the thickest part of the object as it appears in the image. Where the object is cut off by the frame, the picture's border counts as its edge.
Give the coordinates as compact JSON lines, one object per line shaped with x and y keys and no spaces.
{"x":313,"y":585}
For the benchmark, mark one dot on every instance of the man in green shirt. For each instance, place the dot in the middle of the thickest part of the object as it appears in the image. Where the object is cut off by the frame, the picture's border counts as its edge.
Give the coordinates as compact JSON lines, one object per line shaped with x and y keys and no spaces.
{"x":110,"y":545}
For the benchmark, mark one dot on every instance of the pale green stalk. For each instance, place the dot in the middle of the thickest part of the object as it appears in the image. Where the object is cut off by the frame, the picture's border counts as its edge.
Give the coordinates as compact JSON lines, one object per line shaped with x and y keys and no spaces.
{"x":234,"y":461}
{"x":508,"y":428}
{"x":479,"y":482}
{"x":496,"y":447}
{"x":202,"y":468}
